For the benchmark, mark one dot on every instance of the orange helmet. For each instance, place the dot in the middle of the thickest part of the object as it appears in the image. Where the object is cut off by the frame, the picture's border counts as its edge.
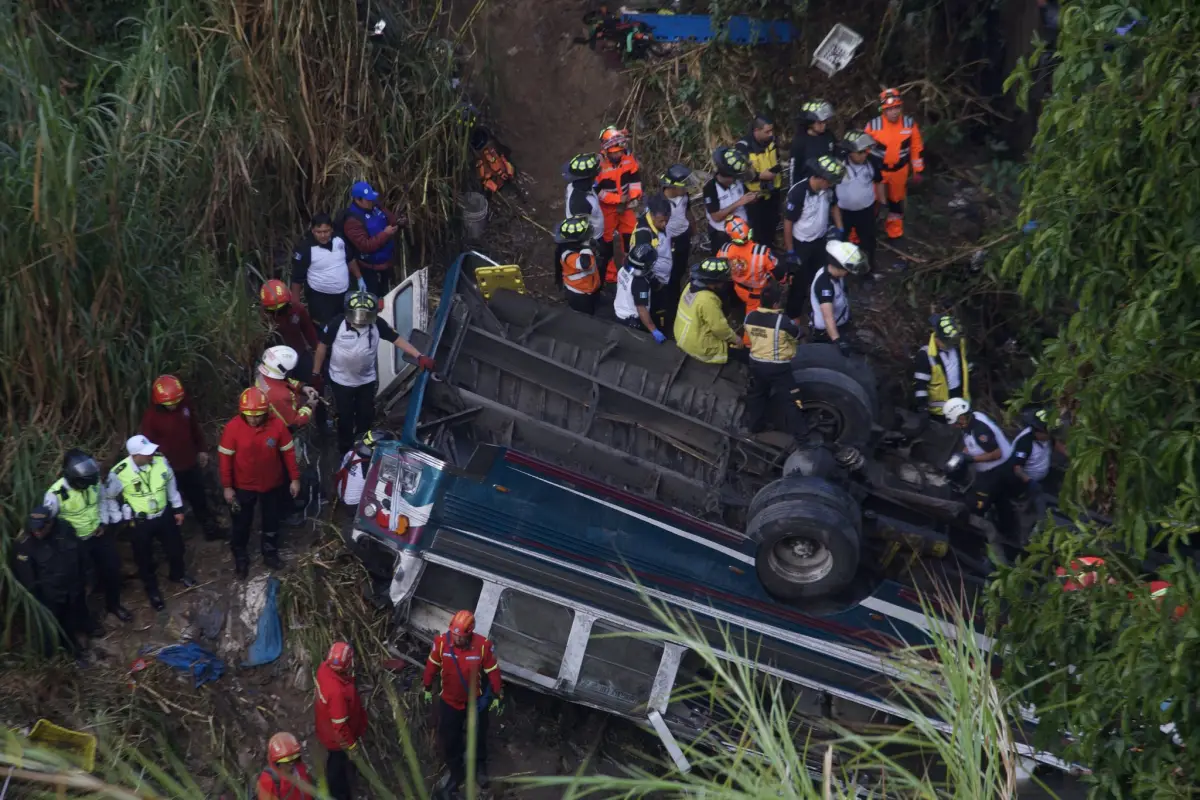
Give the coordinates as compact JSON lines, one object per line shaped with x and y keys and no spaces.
{"x":889,"y":98}
{"x":341,"y":657}
{"x":613,"y":139}
{"x":282,"y":748}
{"x":275,"y":295}
{"x":738,"y":230}
{"x":166,"y":391}
{"x":252,"y":402}
{"x":462,"y":624}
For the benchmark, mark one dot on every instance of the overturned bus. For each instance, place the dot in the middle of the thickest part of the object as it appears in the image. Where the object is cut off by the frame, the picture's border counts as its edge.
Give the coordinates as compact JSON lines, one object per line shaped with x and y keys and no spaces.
{"x":561,"y":471}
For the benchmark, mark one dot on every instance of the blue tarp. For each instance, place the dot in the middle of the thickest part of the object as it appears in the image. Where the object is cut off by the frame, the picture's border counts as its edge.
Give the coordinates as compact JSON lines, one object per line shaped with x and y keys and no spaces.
{"x":268,"y":645}
{"x":203,"y":665}
{"x":699,"y":28}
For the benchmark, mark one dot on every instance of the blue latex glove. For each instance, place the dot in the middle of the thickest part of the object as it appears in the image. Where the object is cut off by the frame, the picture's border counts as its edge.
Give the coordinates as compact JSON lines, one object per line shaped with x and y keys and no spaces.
{"x":840,"y":233}
{"x":791,"y":259}
{"x":1029,"y":227}
{"x":362,"y":285}
{"x":659,"y":336}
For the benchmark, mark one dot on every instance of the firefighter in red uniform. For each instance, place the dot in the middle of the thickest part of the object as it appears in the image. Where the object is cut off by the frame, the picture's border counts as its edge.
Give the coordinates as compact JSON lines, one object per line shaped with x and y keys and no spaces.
{"x":341,"y":720}
{"x":901,"y":147}
{"x":255,"y":451}
{"x":463,"y":657}
{"x":285,"y":777}
{"x":290,"y":400}
{"x":289,"y":319}
{"x":619,"y":187}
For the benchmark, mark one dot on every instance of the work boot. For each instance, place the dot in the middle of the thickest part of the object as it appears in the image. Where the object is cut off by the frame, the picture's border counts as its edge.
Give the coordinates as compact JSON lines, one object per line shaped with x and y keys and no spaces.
{"x":187,"y":581}
{"x":294,"y":519}
{"x":241,"y":568}
{"x":121,"y":613}
{"x":156,"y":601}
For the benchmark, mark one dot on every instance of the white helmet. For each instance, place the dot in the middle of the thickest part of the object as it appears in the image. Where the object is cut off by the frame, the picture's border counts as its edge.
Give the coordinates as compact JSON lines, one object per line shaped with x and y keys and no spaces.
{"x":954,"y":408}
{"x":846,"y":255}
{"x":278,"y":361}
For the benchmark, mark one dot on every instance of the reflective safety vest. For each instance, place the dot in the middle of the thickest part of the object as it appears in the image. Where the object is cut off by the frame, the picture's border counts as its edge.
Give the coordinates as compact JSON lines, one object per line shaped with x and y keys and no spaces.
{"x":899,"y":142}
{"x":750,"y":264}
{"x":939,"y":387}
{"x":579,"y":273}
{"x":81,"y":509}
{"x":494,"y":169}
{"x":144,"y":491}
{"x":761,"y":161}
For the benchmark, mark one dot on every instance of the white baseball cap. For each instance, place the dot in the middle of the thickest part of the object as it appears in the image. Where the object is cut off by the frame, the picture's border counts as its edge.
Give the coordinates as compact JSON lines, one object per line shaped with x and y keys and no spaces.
{"x":140,"y":446}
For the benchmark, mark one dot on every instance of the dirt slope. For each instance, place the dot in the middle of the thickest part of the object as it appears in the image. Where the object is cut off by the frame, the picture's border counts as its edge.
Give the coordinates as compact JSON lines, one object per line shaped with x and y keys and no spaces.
{"x":549,"y":98}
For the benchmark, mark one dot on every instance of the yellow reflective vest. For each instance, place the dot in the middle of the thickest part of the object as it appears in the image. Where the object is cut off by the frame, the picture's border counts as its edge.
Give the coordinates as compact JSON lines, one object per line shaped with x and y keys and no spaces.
{"x":939,"y":387}
{"x":78,"y":507}
{"x":145,"y":491}
{"x":701,"y":330}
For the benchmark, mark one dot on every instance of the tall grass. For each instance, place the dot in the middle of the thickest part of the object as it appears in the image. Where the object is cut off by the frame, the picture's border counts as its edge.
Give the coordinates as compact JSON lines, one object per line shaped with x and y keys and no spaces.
{"x":145,"y":162}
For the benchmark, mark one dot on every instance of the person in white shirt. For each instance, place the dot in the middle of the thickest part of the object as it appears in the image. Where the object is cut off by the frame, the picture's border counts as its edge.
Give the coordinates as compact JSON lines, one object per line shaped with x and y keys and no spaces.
{"x":323,"y":266}
{"x":985,"y":446}
{"x":725,"y":195}
{"x":351,"y":477}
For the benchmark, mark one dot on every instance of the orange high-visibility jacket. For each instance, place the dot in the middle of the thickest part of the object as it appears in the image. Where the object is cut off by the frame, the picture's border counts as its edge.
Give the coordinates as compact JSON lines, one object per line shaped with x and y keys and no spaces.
{"x":751,"y":264}
{"x":579,"y":272}
{"x":899,"y":142}
{"x":610,"y":181}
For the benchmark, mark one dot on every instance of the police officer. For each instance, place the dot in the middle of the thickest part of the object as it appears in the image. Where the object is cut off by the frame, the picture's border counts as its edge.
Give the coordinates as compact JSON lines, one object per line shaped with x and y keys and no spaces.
{"x":651,"y":229}
{"x":49,"y":563}
{"x":985,"y":446}
{"x":74,"y":499}
{"x":827,"y":295}
{"x":1031,"y":448}
{"x":773,"y":338}
{"x":679,"y":226}
{"x":140,"y":490}
{"x":807,"y":213}
{"x":634,"y":288}
{"x":940,"y":368}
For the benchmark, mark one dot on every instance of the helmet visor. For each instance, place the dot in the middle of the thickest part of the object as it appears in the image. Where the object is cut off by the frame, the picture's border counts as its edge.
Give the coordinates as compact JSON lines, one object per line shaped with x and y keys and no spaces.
{"x":361,"y":317}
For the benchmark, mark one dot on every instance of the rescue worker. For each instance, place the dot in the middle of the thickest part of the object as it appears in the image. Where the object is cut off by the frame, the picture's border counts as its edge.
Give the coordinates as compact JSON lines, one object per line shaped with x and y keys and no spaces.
{"x":351,"y":341}
{"x":289,"y":399}
{"x":679,"y":225}
{"x":758,"y":145}
{"x":371,"y":231}
{"x":76,"y":500}
{"x":985,"y":446}
{"x":619,"y":187}
{"x":463,"y":659}
{"x":582,"y":201}
{"x":651,"y":229}
{"x":285,"y":776}
{"x":1029,"y":461}
{"x":634,"y":289}
{"x":861,"y":192}
{"x":701,"y":330}
{"x":172,"y":424}
{"x":351,"y":477}
{"x":257,"y":457}
{"x":900,"y":148}
{"x":773,"y":339}
{"x":323,"y":268}
{"x":725,"y":195}
{"x":578,"y":264}
{"x":50,"y":564}
{"x":812,"y":139}
{"x":751,"y":265}
{"x":290,"y":320}
{"x":140,"y":490}
{"x":940,"y":367}
{"x":807,"y":213}
{"x":341,"y":719}
{"x":827,"y":294}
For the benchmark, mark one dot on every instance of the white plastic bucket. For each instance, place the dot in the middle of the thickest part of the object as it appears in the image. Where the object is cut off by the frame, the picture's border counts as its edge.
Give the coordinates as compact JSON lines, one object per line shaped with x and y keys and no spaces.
{"x":474,"y":213}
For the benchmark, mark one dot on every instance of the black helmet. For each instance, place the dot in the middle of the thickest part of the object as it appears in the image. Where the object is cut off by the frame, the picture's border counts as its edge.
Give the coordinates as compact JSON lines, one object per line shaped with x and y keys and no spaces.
{"x":676,"y":175}
{"x":641,"y":258}
{"x":730,"y":162}
{"x":711,"y":271}
{"x":946,"y":328}
{"x":581,"y":165}
{"x":1036,"y":418}
{"x":361,"y":309}
{"x":857,"y":141}
{"x":365,"y":445}
{"x":80,"y":469}
{"x":816,"y":111}
{"x":826,"y":167}
{"x":574,"y":229}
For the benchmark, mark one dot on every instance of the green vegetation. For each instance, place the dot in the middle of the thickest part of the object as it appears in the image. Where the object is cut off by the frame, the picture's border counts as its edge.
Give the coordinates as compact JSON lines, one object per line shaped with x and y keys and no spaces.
{"x":1112,"y":182}
{"x":147,"y":160}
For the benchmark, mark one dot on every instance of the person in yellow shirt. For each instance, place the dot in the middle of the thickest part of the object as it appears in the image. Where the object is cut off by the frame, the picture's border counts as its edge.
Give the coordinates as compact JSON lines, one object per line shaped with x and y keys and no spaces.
{"x":701,"y":329}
